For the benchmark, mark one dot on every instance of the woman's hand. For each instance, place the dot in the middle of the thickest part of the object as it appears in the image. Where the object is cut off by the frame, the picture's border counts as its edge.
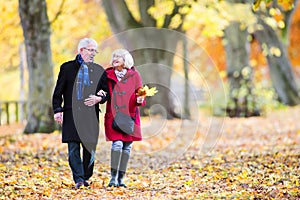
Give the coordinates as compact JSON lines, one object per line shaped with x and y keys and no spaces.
{"x":140,"y":99}
{"x":92,"y":100}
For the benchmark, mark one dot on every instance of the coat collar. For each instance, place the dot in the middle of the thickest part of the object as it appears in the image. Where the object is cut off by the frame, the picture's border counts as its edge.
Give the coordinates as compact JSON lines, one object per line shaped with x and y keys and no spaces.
{"x":111,"y":73}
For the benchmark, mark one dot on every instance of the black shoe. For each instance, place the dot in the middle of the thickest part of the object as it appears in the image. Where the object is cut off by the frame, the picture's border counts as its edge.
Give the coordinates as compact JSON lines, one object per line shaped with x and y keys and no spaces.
{"x":122,"y":185}
{"x":86,"y":183}
{"x":79,"y":185}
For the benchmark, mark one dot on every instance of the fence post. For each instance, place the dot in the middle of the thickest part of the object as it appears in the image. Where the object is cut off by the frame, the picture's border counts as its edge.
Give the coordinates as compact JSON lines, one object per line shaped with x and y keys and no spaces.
{"x":17,"y":111}
{"x":7,"y":112}
{"x":0,"y":111}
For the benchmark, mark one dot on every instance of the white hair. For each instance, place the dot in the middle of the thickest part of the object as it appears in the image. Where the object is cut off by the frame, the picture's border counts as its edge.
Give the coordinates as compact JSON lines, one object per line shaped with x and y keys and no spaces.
{"x":128,"y":59}
{"x":85,"y":42}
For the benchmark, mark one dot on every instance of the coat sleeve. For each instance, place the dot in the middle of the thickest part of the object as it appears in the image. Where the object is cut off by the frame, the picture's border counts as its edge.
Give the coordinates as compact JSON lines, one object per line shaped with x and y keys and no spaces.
{"x":57,"y":98}
{"x":102,"y":85}
{"x":138,"y":85}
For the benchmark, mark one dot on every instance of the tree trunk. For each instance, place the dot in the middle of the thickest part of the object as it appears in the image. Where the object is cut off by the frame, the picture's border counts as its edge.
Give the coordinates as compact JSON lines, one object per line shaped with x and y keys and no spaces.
{"x":153,"y":50}
{"x":239,"y":72}
{"x":279,"y":64}
{"x":23,"y":67}
{"x":186,"y":109}
{"x":157,"y":74}
{"x":285,"y":31}
{"x":36,"y":31}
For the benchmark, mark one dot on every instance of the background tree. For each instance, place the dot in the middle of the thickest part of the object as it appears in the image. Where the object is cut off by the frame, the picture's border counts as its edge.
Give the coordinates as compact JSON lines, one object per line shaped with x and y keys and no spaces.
{"x":206,"y":29}
{"x":237,"y":46}
{"x":239,"y":24}
{"x":239,"y":72}
{"x":230,"y":21}
{"x":153,"y":50}
{"x":36,"y":31}
{"x":274,"y":43}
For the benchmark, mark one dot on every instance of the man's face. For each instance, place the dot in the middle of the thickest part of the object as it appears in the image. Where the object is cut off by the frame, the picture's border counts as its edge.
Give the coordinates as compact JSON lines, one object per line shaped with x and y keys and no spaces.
{"x":88,"y":53}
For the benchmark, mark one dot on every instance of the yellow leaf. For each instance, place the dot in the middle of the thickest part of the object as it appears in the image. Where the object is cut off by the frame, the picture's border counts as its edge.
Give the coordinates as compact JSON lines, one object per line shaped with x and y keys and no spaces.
{"x":256,"y":5}
{"x":275,"y":51}
{"x":146,"y":91}
{"x":189,"y":182}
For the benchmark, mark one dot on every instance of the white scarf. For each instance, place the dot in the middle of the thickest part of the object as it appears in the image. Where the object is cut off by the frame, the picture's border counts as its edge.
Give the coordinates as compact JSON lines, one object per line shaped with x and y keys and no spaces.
{"x":120,"y":74}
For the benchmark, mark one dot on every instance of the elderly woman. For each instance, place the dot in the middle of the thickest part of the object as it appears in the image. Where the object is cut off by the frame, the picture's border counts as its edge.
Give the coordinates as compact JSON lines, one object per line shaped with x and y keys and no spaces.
{"x":123,"y":83}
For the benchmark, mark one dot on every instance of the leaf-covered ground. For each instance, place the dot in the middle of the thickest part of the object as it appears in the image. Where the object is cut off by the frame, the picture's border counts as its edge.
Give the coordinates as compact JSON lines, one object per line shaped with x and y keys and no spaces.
{"x":255,"y":158}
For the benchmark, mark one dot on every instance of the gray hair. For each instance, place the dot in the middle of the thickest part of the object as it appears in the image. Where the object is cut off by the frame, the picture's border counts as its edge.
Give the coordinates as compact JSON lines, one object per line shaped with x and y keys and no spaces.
{"x":85,"y":42}
{"x":128,"y":59}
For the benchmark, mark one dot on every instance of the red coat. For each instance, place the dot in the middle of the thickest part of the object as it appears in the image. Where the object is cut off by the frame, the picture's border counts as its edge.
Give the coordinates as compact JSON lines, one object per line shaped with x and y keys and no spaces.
{"x":126,"y":98}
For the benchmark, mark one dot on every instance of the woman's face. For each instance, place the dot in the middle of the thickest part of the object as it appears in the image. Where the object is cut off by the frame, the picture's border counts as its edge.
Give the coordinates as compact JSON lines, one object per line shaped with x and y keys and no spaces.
{"x":117,"y":61}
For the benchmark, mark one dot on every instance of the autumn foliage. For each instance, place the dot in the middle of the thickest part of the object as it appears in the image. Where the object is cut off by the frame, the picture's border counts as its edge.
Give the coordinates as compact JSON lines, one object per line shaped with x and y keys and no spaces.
{"x":255,"y":158}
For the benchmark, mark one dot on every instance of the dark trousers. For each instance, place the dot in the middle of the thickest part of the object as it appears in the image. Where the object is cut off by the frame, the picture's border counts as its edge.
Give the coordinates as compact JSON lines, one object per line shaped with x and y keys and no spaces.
{"x":82,"y":169}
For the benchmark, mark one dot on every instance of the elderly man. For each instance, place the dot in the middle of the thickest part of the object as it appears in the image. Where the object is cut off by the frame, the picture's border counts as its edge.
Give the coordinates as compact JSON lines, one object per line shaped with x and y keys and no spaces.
{"x":76,"y":87}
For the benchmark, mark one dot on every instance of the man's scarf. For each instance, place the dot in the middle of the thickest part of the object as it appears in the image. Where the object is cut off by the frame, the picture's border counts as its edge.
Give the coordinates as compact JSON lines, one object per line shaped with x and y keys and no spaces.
{"x":82,"y":77}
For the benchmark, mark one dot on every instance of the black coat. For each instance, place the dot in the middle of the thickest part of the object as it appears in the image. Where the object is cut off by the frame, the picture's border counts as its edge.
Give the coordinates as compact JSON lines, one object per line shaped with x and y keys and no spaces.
{"x":80,"y":122}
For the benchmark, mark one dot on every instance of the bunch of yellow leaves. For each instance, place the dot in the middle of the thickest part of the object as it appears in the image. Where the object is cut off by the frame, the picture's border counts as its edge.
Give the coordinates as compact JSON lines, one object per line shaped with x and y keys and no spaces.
{"x":146,"y":91}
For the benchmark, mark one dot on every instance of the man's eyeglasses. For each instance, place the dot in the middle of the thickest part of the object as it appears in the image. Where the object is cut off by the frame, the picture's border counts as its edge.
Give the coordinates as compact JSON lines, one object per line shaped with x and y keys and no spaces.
{"x":91,"y":50}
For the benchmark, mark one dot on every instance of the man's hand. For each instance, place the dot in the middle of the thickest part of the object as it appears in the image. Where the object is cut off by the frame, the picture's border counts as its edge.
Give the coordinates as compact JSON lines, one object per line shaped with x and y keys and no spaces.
{"x":101,"y":93}
{"x":92,"y":100}
{"x":58,"y":117}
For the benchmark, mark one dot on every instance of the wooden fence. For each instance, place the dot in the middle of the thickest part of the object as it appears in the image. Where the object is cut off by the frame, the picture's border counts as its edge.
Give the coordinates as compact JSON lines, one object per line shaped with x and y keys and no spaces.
{"x":12,"y":112}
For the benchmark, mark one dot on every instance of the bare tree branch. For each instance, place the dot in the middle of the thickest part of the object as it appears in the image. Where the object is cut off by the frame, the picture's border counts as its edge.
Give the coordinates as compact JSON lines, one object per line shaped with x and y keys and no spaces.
{"x":119,"y":16}
{"x":146,"y":18}
{"x":59,"y":12}
{"x":168,"y":18}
